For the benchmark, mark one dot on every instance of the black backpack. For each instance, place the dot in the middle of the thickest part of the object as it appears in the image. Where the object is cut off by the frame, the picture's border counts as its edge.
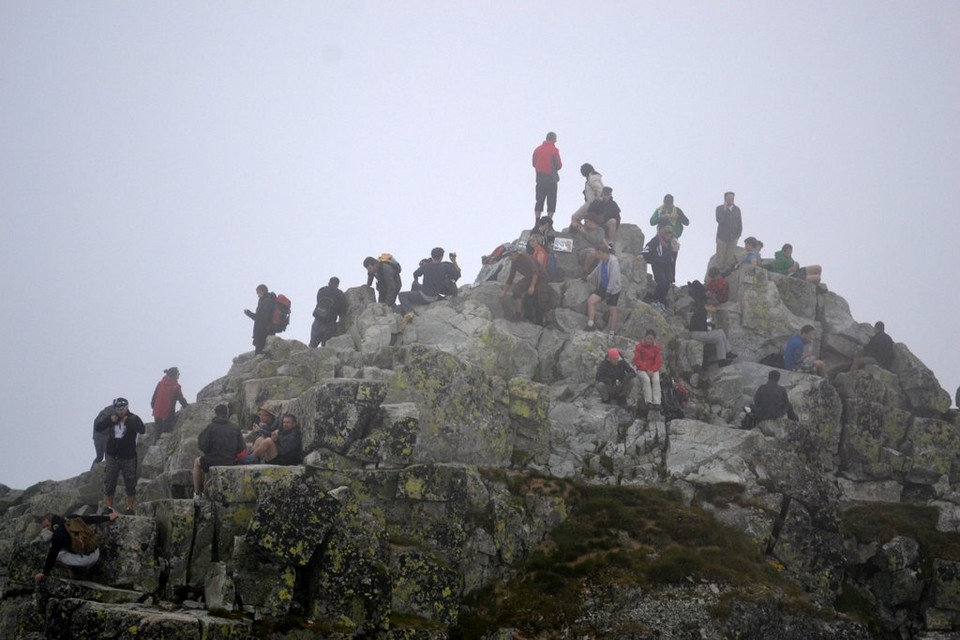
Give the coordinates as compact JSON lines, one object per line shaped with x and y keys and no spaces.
{"x":669,"y":402}
{"x":774,"y":360}
{"x":324,"y":309}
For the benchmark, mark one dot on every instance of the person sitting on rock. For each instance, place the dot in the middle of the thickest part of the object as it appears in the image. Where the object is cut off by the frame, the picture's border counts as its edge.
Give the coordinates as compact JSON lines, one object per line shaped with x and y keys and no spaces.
{"x":798,"y":353}
{"x":648,"y":359}
{"x":784,"y":264}
{"x":718,"y":289}
{"x":534,"y":283}
{"x":284,"y":446}
{"x":536,"y":249}
{"x":605,"y":281}
{"x":61,"y":551}
{"x":221,"y":443}
{"x":439,"y":278}
{"x":606,"y":214}
{"x":770,"y":402}
{"x":544,"y":227}
{"x":879,"y":350}
{"x":614,"y":378}
{"x":700,"y":330}
{"x":752,"y":256}
{"x":658,"y":253}
{"x":588,"y":237}
{"x":592,"y":190}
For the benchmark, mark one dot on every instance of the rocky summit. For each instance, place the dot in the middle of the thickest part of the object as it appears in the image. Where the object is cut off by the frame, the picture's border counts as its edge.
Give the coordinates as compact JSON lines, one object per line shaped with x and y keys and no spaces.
{"x":461,"y":478}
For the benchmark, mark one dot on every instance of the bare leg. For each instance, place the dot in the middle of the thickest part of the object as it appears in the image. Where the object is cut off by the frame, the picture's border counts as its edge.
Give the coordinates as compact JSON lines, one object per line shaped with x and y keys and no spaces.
{"x":592,"y":308}
{"x":130,"y":501}
{"x":197,"y":477}
{"x":612,"y":323}
{"x":611,"y":230}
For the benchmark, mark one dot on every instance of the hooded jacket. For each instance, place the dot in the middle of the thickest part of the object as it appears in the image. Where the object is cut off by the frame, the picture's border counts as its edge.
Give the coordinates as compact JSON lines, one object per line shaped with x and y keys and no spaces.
{"x":165,"y":397}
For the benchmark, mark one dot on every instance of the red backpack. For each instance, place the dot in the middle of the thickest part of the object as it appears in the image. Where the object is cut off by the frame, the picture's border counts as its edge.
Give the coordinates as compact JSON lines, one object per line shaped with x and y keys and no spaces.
{"x":281,"y":314}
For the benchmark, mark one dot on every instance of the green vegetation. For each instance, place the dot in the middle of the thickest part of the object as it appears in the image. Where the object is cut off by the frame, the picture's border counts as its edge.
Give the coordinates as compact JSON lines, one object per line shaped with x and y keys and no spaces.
{"x":880,"y":522}
{"x":615,"y":537}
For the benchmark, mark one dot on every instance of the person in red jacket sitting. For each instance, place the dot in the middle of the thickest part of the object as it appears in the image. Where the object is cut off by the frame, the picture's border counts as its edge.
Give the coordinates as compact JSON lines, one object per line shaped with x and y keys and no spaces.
{"x":648,"y":359}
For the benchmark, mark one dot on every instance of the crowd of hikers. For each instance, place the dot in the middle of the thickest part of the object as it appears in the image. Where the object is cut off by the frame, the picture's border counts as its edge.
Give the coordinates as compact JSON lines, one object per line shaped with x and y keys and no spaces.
{"x":274,"y":438}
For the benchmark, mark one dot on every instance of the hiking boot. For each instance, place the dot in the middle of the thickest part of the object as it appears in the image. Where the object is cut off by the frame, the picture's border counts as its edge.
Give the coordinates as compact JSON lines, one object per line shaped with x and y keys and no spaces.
{"x":590,"y":327}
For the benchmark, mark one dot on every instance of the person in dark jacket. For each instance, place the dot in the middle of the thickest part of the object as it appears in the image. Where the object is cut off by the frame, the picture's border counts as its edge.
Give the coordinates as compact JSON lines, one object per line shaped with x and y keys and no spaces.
{"x":164,"y":401}
{"x":123,"y":427}
{"x":387,"y":277}
{"x":60,"y":553}
{"x":439,"y":278}
{"x":658,"y":253}
{"x":770,"y":402}
{"x":330,"y":309}
{"x":262,"y":317}
{"x":284,"y":446}
{"x":221,"y":442}
{"x":615,"y":378}
{"x":879,"y":350}
{"x":701,"y":331}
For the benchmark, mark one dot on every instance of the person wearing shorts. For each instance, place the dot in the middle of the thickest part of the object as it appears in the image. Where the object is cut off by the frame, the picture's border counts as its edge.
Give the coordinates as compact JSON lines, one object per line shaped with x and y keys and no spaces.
{"x":606,"y":283}
{"x":123,"y":428}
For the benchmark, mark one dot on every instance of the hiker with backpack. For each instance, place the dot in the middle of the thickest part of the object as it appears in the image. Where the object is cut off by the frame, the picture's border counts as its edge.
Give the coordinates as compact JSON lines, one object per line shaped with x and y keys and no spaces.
{"x":263,"y":317}
{"x":74,"y":545}
{"x":330,"y":309}
{"x":122,"y":428}
{"x":439,"y":279}
{"x":386,"y":271}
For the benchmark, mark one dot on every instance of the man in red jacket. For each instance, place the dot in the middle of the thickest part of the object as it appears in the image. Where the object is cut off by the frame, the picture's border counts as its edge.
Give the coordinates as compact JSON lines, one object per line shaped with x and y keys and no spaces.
{"x":648,"y":359}
{"x":164,"y":400}
{"x":546,"y":162}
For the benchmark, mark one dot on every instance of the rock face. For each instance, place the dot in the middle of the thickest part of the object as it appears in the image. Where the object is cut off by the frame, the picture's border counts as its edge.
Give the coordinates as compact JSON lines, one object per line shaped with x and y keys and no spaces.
{"x":414,"y":434}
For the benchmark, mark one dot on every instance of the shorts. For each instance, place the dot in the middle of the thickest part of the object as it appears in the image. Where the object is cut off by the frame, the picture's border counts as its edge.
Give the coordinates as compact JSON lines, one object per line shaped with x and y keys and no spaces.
{"x":116,"y":466}
{"x":807,"y":364}
{"x":611,"y":300}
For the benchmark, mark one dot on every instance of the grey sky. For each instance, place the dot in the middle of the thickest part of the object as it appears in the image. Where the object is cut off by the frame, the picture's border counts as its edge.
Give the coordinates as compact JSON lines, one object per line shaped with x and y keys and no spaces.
{"x":162,"y":159}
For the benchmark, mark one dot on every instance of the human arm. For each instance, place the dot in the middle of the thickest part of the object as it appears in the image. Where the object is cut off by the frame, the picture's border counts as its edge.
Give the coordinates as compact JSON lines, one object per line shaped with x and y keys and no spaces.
{"x":180,"y":398}
{"x":657,"y":361}
{"x":203,"y":440}
{"x":681,"y":217}
{"x":249,"y":314}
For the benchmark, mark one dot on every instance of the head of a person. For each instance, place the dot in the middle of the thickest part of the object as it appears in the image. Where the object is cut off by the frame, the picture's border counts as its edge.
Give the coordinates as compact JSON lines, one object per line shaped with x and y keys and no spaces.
{"x":665,"y":232}
{"x":121,"y":406}
{"x":728,"y":197}
{"x":544,"y":223}
{"x":370,"y":264}
{"x":536,"y":239}
{"x":879,"y":327}
{"x":551,"y":136}
{"x":261,"y":290}
{"x":773,"y":376}
{"x":172,"y":372}
{"x":586,"y":169}
{"x":265,"y":414}
{"x":221,"y":411}
{"x":806,"y":333}
{"x":697,"y":291}
{"x":668,"y":201}
{"x":606,"y":193}
{"x":713,"y":272}
{"x":787,"y":250}
{"x":289,"y":421}
{"x":334,"y":282}
{"x":436,"y":254}
{"x":48,"y":520}
{"x":650,"y":336}
{"x":751,"y":244}
{"x":613,"y":356}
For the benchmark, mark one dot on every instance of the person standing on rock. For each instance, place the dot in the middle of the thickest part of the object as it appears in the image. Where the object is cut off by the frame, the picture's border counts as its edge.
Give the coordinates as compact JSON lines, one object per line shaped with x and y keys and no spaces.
{"x":614,"y":378}
{"x":606,"y":284}
{"x":62,"y":551}
{"x":123,"y":428}
{"x":770,"y":402}
{"x":262,"y":317}
{"x":547,"y":165}
{"x":221,"y":442}
{"x":164,"y":401}
{"x":798,"y":353}
{"x":648,"y":359}
{"x":672,"y":215}
{"x":330,"y":309}
{"x":658,"y":253}
{"x":534,"y":283}
{"x":729,"y":228}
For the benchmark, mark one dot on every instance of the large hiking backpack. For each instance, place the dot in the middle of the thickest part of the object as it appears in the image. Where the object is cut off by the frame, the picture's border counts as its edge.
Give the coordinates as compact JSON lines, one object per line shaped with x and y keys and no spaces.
{"x":281,"y":314}
{"x":83,"y":539}
{"x":389,"y":259}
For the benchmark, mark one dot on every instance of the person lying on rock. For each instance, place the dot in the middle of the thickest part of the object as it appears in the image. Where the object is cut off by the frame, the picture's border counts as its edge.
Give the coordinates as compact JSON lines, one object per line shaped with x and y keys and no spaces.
{"x":284,"y":446}
{"x":67,"y":549}
{"x":615,"y":378}
{"x":784,"y":264}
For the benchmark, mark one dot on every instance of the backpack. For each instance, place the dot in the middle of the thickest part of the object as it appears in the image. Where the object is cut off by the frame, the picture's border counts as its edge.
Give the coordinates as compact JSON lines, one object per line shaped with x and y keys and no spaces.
{"x":281,"y":314}
{"x":774,"y":360}
{"x":324,"y":309}
{"x":83,"y":540}
{"x":669,"y":402}
{"x":388,"y":258}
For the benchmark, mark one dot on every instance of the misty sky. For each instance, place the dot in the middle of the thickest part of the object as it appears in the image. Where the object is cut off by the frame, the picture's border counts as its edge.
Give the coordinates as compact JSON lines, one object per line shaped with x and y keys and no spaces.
{"x":162,"y":159}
